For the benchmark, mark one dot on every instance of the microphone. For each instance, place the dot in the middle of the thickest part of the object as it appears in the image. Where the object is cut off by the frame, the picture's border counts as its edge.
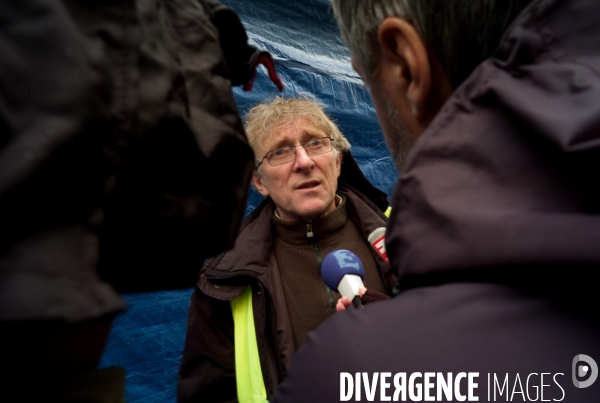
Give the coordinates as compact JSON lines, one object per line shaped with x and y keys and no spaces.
{"x":344,"y":272}
{"x":377,"y":241}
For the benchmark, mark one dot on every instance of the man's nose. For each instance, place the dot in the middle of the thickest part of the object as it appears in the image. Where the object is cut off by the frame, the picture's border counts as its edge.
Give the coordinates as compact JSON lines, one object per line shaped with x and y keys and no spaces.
{"x":303,"y":160}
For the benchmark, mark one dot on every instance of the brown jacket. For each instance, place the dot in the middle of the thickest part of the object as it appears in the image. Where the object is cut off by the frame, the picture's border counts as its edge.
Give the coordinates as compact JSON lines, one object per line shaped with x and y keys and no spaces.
{"x":208,"y":367}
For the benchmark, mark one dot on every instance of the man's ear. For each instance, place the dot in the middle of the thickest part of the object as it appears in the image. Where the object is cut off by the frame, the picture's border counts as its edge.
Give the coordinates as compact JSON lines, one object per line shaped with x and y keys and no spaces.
{"x":405,"y":55}
{"x":259,"y":184}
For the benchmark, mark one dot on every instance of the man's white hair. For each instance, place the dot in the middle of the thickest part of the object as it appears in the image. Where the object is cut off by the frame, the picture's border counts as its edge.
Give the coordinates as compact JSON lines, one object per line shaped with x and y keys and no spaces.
{"x":272,"y":115}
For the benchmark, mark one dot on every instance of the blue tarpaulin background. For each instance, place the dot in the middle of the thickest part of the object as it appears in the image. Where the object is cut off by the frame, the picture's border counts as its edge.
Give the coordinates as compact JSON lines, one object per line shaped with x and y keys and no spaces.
{"x":147,"y":340}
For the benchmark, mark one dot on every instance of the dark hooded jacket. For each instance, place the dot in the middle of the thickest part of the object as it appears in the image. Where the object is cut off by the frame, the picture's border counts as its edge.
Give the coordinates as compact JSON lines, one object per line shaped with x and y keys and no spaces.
{"x":123,"y":165}
{"x":114,"y":119}
{"x":494,"y":233}
{"x":207,"y":371}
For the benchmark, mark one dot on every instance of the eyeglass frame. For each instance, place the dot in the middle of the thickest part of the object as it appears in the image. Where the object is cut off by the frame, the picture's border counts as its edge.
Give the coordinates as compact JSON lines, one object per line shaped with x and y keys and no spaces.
{"x":299,"y":145}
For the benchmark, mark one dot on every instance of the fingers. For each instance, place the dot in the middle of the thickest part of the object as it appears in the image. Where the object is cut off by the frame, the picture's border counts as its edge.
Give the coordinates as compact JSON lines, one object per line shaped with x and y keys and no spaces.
{"x":342,"y":304}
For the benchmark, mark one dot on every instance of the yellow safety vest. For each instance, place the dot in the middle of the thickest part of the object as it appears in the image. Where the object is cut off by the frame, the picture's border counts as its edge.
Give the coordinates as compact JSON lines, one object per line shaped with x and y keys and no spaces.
{"x":248,"y":372}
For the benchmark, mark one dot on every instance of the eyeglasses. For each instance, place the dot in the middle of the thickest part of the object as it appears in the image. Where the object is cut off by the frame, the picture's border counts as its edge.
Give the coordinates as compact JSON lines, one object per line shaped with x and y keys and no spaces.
{"x":280,"y":156}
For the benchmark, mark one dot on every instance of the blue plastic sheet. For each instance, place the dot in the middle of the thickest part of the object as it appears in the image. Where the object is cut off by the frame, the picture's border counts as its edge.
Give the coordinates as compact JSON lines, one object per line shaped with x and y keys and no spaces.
{"x":147,"y":340}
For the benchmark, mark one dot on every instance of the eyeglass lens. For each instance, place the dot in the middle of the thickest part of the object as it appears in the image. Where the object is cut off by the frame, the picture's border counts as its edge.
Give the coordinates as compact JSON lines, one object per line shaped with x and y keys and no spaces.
{"x":286,"y":154}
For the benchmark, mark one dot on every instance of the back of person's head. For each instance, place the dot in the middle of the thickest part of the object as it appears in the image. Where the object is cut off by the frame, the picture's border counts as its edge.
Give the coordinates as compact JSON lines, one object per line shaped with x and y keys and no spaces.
{"x":459,"y":33}
{"x":268,"y":117}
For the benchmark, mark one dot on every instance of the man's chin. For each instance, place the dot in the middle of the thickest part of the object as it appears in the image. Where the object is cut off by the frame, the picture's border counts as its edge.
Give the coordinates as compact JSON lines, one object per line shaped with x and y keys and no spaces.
{"x":309,"y":214}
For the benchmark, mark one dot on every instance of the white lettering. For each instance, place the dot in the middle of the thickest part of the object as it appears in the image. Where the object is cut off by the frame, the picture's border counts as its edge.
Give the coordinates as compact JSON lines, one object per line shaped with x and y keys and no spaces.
{"x":384,"y":386}
{"x":411,"y":387}
{"x":459,"y":397}
{"x":418,"y":386}
{"x":443,"y":386}
{"x":428,"y":385}
{"x":370,"y":388}
{"x":346,"y":380}
{"x":400,"y":385}
{"x":472,"y":386}
{"x":517,"y":380}
{"x":563,"y":391}
{"x":537,"y":388}
{"x":542,"y":387}
{"x":504,"y":385}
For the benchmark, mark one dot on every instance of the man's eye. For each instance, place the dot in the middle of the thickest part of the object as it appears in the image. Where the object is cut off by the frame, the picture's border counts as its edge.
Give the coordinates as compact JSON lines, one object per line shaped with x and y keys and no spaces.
{"x":315,"y":143}
{"x":279,"y":152}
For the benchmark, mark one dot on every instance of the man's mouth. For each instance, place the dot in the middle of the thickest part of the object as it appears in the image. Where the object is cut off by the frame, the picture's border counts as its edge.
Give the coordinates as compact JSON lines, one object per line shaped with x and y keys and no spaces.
{"x":308,"y":184}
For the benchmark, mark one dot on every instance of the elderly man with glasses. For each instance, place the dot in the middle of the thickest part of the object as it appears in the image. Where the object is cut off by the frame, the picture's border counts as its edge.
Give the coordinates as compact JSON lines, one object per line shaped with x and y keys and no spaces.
{"x":317,"y":201}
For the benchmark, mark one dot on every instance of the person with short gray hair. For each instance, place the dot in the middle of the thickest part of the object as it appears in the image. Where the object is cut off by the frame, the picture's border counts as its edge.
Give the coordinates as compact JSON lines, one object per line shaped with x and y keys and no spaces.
{"x":300,"y":155}
{"x":490,"y":110}
{"x":455,"y":36}
{"x":459,"y":34}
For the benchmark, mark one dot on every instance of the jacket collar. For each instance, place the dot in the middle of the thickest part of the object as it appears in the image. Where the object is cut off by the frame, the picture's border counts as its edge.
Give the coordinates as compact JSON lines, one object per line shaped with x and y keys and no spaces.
{"x":297,"y":232}
{"x":225,"y":276}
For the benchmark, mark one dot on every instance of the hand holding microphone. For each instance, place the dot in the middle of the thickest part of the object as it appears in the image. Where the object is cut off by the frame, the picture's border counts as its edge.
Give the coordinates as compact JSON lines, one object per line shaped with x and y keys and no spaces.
{"x":343,"y":272}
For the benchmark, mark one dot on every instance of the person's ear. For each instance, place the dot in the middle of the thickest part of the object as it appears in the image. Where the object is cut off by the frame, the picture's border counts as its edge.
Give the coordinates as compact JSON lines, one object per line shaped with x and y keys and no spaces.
{"x":259,"y":184}
{"x":405,"y":55}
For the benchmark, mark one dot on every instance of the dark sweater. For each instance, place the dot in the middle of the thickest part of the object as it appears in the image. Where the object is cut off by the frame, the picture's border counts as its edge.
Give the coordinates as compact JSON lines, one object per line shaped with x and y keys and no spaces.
{"x":309,"y":301}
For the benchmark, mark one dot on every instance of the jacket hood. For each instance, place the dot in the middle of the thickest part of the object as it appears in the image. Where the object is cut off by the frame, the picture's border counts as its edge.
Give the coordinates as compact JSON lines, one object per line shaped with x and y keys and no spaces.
{"x":508,"y":174}
{"x":352,"y":177}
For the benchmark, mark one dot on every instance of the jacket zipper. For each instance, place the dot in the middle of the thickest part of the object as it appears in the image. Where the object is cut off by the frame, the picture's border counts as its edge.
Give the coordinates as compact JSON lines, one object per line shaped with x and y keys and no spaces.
{"x":320,"y":261}
{"x":309,"y":231}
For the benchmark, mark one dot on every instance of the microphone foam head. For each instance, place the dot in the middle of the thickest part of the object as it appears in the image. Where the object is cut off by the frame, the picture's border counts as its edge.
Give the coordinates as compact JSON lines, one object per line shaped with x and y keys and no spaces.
{"x":339,"y":263}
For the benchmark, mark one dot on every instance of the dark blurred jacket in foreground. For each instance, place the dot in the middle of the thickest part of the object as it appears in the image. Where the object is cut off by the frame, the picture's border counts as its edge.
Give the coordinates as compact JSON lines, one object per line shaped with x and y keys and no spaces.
{"x":494,"y":232}
{"x":123,"y":164}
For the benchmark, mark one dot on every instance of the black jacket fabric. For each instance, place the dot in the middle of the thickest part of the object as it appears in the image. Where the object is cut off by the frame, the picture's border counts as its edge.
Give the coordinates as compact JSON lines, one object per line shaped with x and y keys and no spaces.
{"x":123,"y":160}
{"x":207,"y":371}
{"x":494,"y":233}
